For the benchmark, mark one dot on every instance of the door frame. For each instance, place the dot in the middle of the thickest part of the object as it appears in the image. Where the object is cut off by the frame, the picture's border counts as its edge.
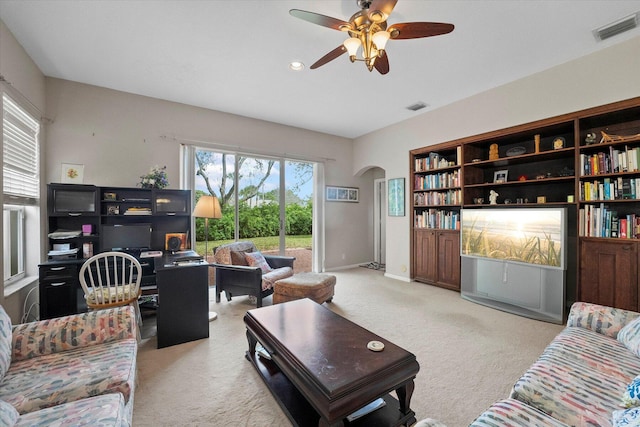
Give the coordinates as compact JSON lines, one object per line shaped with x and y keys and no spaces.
{"x":379,"y":220}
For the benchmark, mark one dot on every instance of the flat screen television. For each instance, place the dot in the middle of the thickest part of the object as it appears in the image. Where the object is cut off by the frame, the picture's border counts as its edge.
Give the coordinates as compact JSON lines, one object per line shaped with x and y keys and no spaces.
{"x":126,"y":236}
{"x":525,"y":235}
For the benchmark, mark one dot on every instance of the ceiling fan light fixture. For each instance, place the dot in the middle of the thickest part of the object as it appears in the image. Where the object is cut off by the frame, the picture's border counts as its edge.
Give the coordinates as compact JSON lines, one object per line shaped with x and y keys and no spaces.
{"x":380,"y":39}
{"x":352,"y":44}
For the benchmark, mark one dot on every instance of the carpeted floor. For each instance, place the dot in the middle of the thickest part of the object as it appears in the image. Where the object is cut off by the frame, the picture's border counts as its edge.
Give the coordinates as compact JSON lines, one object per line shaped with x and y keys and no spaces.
{"x":469,"y":356}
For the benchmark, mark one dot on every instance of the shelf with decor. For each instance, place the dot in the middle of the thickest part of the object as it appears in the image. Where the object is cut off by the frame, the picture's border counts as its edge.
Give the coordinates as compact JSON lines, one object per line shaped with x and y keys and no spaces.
{"x":609,"y":182}
{"x":531,"y":165}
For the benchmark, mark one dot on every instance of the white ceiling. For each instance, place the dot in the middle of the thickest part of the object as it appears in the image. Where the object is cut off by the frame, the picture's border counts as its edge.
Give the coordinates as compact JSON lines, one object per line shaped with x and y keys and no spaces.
{"x":233,"y":55}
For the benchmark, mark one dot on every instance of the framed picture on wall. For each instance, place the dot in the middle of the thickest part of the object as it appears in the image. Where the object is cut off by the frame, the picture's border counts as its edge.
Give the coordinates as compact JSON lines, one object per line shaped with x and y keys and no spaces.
{"x":396,"y":197}
{"x":342,"y":194}
{"x":72,"y":174}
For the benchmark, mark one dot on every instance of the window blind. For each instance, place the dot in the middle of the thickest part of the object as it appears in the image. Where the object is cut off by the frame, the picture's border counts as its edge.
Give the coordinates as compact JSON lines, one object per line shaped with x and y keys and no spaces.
{"x":20,"y":154}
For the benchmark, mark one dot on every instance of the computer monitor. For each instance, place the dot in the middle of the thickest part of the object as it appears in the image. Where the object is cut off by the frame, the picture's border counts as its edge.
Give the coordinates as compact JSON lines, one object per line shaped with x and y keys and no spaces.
{"x":126,"y":237}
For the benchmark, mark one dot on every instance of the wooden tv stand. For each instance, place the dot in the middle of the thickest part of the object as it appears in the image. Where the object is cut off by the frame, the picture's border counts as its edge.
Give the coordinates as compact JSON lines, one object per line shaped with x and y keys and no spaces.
{"x":321,"y":369}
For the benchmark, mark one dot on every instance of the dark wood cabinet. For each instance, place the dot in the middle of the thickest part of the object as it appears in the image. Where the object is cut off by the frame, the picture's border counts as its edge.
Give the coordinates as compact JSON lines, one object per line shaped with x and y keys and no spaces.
{"x":425,"y":255}
{"x":437,"y":257}
{"x":609,"y":272}
{"x":448,"y":250}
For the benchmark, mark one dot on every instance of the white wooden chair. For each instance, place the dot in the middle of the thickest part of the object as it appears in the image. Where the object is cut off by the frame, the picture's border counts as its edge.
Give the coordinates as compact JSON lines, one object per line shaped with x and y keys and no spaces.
{"x":112,"y":279}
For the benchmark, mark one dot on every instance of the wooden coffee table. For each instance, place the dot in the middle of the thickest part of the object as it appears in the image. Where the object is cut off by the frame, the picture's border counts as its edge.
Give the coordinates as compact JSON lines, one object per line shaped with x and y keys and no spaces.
{"x":321,"y":369}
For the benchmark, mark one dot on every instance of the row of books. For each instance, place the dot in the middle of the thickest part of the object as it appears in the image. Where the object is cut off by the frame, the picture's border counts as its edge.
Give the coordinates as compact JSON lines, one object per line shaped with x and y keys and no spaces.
{"x":436,"y":181}
{"x":436,"y":218}
{"x":614,"y":161}
{"x":601,"y":221}
{"x":451,"y":197}
{"x":436,"y":161}
{"x":138,"y":211}
{"x":610,"y":189}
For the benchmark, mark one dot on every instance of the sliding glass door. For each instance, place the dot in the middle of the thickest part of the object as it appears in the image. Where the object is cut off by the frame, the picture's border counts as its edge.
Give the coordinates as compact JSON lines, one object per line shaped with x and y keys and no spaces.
{"x":265,"y":200}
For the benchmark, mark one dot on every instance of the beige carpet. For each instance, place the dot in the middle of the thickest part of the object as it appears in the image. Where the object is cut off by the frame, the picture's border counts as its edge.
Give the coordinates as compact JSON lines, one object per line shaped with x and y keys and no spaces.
{"x":469,"y":356}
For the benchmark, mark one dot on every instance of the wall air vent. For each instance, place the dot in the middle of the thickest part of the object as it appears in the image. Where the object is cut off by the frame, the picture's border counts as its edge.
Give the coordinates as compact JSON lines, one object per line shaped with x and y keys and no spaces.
{"x":417,"y":106}
{"x":620,"y":26}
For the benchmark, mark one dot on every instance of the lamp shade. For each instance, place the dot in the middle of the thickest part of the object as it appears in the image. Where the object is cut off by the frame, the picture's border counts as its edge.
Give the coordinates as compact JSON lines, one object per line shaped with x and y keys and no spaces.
{"x":208,"y":207}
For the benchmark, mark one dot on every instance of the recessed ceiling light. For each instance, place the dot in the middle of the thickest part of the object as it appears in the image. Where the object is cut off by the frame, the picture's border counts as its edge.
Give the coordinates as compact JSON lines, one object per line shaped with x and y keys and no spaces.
{"x":296,"y":65}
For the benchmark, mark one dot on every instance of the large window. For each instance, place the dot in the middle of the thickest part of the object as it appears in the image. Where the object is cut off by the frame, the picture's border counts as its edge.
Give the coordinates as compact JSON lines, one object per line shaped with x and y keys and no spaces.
{"x":265,"y":200}
{"x":21,"y":188}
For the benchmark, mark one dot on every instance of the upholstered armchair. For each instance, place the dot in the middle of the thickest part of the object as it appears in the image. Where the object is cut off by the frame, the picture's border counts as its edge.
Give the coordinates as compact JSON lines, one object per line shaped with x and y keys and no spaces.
{"x":242,"y":270}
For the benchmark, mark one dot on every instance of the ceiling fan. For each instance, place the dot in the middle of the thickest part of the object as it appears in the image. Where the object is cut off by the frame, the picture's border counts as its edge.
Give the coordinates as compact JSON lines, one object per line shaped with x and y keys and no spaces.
{"x":368,"y":30}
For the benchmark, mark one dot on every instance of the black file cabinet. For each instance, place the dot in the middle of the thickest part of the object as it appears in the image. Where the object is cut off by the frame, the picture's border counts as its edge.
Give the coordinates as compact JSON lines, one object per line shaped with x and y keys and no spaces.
{"x":60,"y":291}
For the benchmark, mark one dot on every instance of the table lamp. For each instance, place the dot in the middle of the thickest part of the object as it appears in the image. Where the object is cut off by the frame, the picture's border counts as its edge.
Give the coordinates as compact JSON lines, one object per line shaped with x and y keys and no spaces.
{"x":208,"y":207}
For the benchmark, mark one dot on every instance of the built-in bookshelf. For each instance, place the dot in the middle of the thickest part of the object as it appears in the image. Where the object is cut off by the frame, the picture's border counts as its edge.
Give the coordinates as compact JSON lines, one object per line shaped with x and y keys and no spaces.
{"x":437,"y":191}
{"x":587,"y":162}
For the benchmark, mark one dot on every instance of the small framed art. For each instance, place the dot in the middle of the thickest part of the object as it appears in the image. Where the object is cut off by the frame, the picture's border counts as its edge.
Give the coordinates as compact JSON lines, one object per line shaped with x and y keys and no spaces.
{"x":500,"y":177}
{"x":396,"y":197}
{"x":72,"y":173}
{"x":342,"y":194}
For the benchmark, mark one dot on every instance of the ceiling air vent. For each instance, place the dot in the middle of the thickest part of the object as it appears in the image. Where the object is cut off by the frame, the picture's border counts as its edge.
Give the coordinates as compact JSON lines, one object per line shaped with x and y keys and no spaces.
{"x":417,"y":106}
{"x":625,"y":24}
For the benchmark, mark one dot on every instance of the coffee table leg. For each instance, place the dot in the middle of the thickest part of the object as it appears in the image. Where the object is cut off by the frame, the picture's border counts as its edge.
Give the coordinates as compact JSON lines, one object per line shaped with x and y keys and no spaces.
{"x":252,"y":343}
{"x":404,"y":396}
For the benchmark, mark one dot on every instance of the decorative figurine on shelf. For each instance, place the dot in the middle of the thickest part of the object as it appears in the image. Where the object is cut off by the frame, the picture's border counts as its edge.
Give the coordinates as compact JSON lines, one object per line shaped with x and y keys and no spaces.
{"x":156,"y":178}
{"x":536,"y":139}
{"x":493,"y":152}
{"x":493,"y":197}
{"x":590,"y":138}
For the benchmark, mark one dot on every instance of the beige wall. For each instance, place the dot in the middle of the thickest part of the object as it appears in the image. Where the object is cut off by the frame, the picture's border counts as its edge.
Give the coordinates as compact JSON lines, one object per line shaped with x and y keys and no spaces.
{"x":117,"y":137}
{"x":610,"y":75}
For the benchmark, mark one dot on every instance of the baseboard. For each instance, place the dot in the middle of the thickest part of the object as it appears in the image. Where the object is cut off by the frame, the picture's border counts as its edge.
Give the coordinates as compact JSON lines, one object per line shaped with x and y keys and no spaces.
{"x":401,"y":278}
{"x":343,"y":267}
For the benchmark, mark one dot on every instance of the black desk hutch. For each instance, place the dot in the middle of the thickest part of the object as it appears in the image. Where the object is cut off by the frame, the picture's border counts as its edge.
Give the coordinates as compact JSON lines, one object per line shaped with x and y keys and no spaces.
{"x":95,"y":210}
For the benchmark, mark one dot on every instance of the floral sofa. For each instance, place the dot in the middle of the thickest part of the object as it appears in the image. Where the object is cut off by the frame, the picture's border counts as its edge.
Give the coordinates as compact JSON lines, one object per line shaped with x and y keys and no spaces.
{"x":242,"y":270}
{"x":589,"y":375}
{"x":69,"y":371}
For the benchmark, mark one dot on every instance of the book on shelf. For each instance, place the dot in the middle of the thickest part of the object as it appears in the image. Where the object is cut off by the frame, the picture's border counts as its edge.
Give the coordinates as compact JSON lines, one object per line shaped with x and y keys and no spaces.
{"x":138,"y":211}
{"x":602,"y":221}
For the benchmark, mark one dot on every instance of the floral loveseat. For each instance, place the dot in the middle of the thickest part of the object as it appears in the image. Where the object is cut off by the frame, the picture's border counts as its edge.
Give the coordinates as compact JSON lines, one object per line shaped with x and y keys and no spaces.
{"x":242,"y":270}
{"x":69,"y":371}
{"x":589,"y":375}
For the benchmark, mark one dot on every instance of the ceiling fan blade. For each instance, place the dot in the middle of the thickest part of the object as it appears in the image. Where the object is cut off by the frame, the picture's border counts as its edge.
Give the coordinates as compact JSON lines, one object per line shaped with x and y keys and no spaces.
{"x":316,"y":18}
{"x":384,"y":6}
{"x":382,"y":64}
{"x":415,"y":30}
{"x":329,"y":57}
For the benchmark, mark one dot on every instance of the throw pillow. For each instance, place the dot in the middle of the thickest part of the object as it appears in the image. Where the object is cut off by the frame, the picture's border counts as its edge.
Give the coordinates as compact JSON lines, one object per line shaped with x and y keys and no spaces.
{"x":6,"y":339}
{"x":629,"y":335}
{"x":631,"y":396}
{"x":237,"y":258}
{"x":626,"y":417}
{"x":256,"y":259}
{"x":8,"y":414}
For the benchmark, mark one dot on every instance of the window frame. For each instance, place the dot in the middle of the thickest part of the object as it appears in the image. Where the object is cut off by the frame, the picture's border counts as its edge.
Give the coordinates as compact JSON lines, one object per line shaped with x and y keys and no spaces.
{"x":27,"y":126}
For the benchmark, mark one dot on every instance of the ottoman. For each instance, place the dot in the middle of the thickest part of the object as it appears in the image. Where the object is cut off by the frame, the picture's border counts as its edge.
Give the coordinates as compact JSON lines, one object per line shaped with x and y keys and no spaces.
{"x":315,"y":286}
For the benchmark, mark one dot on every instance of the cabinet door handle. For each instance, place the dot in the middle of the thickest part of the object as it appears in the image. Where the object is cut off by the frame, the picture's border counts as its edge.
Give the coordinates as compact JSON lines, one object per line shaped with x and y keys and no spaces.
{"x":58,"y":268}
{"x":58,"y":283}
{"x":626,"y":248}
{"x":75,"y":214}
{"x":171,"y":213}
